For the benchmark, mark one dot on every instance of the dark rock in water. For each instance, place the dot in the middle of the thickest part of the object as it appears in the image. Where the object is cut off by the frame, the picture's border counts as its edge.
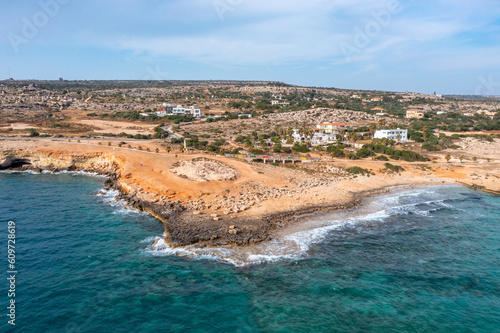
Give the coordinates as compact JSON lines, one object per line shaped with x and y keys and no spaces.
{"x":12,"y":162}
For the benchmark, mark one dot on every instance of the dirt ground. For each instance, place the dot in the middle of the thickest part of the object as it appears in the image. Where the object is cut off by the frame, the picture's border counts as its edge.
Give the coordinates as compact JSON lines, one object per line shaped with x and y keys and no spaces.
{"x":149,"y":173}
{"x":76,"y":123}
{"x":117,"y":127}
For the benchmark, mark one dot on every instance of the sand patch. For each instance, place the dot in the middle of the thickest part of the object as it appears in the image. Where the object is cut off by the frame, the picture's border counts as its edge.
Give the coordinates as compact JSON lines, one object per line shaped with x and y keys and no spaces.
{"x":204,"y":170}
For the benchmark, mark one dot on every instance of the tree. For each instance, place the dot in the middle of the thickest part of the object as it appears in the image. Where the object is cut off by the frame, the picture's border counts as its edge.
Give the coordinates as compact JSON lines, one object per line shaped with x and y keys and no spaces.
{"x":461,"y":157}
{"x":425,"y":131}
{"x":447,"y":157}
{"x":372,"y":128}
{"x":157,"y":150}
{"x":33,"y":132}
{"x":474,"y":158}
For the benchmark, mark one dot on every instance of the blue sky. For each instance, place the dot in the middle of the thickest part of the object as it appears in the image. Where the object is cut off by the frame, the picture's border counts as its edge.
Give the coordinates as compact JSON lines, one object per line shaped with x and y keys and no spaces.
{"x":447,"y":46}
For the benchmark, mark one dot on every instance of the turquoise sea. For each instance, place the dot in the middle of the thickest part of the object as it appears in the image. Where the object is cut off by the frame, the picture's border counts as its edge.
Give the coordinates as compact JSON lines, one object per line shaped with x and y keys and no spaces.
{"x":415,"y":260}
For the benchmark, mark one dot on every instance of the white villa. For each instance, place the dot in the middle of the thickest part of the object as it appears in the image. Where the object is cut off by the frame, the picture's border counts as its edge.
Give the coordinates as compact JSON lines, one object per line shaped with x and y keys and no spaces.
{"x":316,"y":139}
{"x":323,"y":139}
{"x":171,"y":110}
{"x":282,"y":103}
{"x":399,"y":135}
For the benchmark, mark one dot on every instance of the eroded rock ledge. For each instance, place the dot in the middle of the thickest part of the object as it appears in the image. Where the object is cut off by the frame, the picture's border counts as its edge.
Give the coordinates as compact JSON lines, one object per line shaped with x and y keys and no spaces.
{"x":182,"y":225}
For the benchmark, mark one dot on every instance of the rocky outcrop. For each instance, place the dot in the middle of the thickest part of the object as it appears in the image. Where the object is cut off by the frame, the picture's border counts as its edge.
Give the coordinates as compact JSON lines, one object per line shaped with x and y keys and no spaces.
{"x":204,"y":170}
{"x":12,"y":162}
{"x":184,"y":222}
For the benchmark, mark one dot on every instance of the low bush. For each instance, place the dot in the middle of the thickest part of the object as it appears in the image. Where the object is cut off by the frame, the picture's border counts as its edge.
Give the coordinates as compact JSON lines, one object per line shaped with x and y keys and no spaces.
{"x":300,"y":148}
{"x":381,"y":158}
{"x":393,"y":168}
{"x":358,"y":171}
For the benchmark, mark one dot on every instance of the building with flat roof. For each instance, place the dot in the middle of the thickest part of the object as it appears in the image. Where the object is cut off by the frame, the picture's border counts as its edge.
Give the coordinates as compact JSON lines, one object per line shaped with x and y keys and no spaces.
{"x":414,"y":114}
{"x":398,"y":135}
{"x":329,"y":128}
{"x":171,"y":110}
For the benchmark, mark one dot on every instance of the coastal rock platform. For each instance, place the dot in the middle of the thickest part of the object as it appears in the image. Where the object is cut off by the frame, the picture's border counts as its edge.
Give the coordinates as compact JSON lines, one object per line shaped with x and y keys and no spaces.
{"x":226,"y":201}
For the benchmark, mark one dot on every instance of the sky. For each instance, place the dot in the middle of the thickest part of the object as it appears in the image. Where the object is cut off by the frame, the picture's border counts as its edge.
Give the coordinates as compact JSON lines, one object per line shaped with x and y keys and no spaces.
{"x":442,"y":46}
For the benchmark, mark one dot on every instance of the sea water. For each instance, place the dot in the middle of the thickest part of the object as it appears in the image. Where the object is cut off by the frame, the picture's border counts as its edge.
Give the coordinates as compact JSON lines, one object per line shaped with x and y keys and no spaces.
{"x":413,"y":260}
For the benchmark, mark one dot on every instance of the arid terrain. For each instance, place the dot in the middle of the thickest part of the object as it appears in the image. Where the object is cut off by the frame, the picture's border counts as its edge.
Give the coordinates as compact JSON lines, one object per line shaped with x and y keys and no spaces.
{"x":176,"y":168}
{"x":248,"y":200}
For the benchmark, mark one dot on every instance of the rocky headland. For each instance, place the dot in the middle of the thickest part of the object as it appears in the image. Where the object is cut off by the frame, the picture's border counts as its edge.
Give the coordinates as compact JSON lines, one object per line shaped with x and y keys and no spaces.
{"x":214,"y":200}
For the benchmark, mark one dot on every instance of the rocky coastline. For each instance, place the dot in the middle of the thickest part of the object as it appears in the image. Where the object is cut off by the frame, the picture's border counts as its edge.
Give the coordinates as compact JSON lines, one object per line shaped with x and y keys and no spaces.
{"x":185,"y":224}
{"x":182,"y":225}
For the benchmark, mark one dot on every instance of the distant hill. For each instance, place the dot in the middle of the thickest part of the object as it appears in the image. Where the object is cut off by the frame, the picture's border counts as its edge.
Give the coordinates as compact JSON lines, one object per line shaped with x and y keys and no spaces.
{"x":130,"y":84}
{"x":481,"y":98}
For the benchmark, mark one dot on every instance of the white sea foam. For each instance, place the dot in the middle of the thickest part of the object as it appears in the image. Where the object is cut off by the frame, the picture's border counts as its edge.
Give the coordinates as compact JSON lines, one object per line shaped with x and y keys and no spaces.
{"x":13,"y":172}
{"x":110,"y":197}
{"x":48,"y":172}
{"x":294,"y":246}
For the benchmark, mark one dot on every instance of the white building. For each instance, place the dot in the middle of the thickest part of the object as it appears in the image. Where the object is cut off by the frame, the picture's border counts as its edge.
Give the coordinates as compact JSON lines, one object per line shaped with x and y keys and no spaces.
{"x":282,"y":103}
{"x":316,"y":139}
{"x":323,"y":139}
{"x":399,"y":135}
{"x":170,"y":110}
{"x":299,"y":137}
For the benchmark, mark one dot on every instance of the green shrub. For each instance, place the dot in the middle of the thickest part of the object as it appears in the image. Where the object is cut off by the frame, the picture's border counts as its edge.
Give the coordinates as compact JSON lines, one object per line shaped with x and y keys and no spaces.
{"x":364,"y":152}
{"x":256,"y":152}
{"x":358,"y":171}
{"x":33,"y":132}
{"x":300,"y":148}
{"x":430,"y":147}
{"x":406,"y":155}
{"x":338,"y":153}
{"x":393,"y":168}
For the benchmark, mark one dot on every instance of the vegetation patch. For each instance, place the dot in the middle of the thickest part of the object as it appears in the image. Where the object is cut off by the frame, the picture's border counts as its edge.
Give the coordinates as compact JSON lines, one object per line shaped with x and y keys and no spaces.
{"x":381,"y":158}
{"x":406,"y":155}
{"x":393,"y":168}
{"x":358,"y":171}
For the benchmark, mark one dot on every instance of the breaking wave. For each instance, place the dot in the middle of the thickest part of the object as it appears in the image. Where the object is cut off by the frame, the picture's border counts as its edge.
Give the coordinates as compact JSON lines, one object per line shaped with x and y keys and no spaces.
{"x":111,"y":197}
{"x":420,"y":202}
